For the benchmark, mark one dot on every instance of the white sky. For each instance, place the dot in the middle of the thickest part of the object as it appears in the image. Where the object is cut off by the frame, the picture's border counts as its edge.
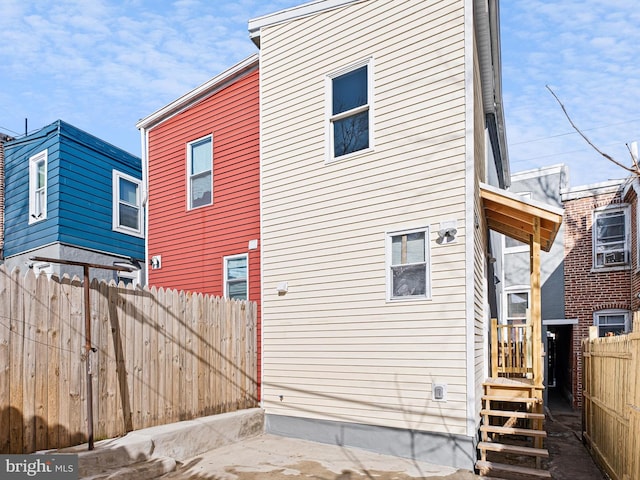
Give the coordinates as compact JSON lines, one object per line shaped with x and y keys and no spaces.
{"x":103,"y":65}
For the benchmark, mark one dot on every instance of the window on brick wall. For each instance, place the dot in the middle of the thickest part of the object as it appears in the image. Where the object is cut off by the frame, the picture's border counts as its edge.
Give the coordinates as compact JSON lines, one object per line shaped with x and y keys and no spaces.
{"x":611,"y":237}
{"x":611,"y":322}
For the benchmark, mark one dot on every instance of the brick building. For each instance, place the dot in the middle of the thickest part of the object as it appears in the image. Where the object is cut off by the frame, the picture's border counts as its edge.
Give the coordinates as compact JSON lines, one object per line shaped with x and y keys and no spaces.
{"x":601,"y":275}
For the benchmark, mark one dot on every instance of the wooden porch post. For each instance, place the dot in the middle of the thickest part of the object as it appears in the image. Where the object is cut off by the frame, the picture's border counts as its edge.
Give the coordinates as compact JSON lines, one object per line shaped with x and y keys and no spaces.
{"x":535,"y":306}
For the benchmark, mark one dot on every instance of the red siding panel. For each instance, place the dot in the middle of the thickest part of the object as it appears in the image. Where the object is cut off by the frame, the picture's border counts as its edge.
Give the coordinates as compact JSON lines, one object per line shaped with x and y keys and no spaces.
{"x":192,"y":243}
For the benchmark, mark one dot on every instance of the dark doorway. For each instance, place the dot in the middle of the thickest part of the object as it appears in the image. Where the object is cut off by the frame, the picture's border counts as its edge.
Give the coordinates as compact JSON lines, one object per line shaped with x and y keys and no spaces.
{"x":558,"y":359}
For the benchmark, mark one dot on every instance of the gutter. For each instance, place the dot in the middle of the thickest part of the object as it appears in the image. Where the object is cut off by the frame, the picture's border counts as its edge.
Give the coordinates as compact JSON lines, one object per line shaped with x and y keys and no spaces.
{"x":487,"y":29}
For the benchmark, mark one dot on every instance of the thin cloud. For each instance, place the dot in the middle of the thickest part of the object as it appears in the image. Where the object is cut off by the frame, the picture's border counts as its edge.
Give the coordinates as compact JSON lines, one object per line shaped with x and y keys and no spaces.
{"x":587,"y":52}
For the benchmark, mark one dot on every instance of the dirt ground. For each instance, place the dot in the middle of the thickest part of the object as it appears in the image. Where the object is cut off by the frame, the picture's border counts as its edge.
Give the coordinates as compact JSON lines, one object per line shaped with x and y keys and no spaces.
{"x":568,"y":457}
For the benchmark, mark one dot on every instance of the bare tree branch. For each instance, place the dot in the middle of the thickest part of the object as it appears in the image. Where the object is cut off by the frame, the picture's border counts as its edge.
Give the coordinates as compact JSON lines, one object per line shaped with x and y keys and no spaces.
{"x":633,"y":158}
{"x":635,"y":170}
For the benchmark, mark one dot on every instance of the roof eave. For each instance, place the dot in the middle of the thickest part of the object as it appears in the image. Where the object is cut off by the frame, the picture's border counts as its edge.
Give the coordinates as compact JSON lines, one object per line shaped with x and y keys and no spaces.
{"x":282,"y":16}
{"x":513,"y":215}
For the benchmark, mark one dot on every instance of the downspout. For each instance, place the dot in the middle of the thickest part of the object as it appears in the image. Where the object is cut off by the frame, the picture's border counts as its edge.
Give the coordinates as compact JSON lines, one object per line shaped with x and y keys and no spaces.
{"x":144,"y":144}
{"x":2,"y":138}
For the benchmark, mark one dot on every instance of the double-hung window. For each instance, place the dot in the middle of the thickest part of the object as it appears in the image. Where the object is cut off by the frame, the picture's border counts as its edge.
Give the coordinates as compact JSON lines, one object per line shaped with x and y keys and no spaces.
{"x":611,"y":322}
{"x":127,"y":204}
{"x":236,"y":284}
{"x":200,"y":172}
{"x":610,"y":237}
{"x":350,"y":110}
{"x":517,"y":305}
{"x":408,"y":265}
{"x":38,"y":187}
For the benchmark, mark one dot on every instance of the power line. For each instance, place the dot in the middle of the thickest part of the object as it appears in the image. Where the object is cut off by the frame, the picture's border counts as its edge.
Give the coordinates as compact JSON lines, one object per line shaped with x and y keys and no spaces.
{"x":9,"y":130}
{"x":574,"y":132}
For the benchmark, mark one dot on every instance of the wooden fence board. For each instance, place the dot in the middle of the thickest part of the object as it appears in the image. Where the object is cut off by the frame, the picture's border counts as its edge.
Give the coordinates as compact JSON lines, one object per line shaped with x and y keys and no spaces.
{"x":53,"y":366}
{"x":5,"y":357}
{"x":611,"y":391}
{"x":31,"y":350}
{"x":16,"y":395}
{"x":41,"y":322}
{"x":66,"y":360}
{"x":162,"y":356}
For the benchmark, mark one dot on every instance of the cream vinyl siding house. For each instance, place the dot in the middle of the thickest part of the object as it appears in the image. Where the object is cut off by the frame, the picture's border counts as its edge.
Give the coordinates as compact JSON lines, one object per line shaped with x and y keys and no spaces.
{"x":344,"y":359}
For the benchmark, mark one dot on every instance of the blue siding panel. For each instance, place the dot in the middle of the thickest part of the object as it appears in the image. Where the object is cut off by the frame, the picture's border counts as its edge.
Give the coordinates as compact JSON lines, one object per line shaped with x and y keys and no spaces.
{"x":19,"y":235}
{"x":79,"y":192}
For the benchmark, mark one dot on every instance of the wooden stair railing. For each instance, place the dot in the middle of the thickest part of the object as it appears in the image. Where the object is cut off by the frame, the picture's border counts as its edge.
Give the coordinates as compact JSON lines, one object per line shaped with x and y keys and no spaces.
{"x":511,"y":350}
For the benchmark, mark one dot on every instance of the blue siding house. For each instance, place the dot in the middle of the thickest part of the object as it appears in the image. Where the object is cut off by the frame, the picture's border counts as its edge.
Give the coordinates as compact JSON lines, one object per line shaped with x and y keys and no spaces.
{"x":72,"y":196}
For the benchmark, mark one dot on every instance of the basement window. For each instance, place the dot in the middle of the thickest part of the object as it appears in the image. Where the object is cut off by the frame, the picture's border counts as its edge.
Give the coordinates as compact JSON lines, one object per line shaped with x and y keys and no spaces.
{"x":611,"y":322}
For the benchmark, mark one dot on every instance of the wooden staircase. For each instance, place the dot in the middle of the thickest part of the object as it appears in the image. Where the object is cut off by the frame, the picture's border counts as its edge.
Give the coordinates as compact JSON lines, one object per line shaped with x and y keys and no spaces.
{"x":512,"y":431}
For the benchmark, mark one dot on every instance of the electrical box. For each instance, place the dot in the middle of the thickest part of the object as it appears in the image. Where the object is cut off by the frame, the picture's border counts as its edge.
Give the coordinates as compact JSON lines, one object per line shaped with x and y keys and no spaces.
{"x":439,"y":392}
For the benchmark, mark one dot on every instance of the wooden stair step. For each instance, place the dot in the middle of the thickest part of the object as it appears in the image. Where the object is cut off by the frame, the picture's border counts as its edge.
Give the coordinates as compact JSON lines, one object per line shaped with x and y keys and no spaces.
{"x":486,"y":468}
{"x":512,"y":414}
{"x":504,"y":448}
{"x":513,"y":431}
{"x":504,"y":398}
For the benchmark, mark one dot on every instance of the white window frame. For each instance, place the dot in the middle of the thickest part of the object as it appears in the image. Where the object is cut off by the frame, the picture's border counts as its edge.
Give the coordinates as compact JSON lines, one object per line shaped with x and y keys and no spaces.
{"x":388,"y":264}
{"x":225,"y":281}
{"x":612,"y":311}
{"x":117,"y":227}
{"x":133,"y":276}
{"x":627,"y":240}
{"x":38,"y":212}
{"x":188,"y":170}
{"x":511,"y":290}
{"x":330,"y":118}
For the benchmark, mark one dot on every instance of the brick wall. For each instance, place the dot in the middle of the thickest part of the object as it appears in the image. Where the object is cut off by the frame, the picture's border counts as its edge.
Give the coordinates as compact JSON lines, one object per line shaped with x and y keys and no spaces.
{"x":588,"y":290}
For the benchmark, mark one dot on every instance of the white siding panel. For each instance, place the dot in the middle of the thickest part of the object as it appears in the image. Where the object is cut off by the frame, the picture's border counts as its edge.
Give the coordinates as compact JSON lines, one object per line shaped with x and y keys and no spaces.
{"x":333,"y":347}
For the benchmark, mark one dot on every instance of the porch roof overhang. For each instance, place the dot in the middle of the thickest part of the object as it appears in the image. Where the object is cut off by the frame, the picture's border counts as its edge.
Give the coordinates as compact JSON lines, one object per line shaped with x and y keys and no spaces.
{"x":515,"y":217}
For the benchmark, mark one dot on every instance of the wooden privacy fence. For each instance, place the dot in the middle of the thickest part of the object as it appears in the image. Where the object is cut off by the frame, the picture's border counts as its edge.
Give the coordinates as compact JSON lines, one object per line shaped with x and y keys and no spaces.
{"x":161,"y":356}
{"x":611,"y":405}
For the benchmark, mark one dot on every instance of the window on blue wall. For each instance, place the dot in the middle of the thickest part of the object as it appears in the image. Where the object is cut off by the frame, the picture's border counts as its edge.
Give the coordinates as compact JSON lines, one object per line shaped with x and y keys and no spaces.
{"x":200,"y":172}
{"x":38,"y":187}
{"x":350,"y":110}
{"x":236,"y":283}
{"x":127,"y":204}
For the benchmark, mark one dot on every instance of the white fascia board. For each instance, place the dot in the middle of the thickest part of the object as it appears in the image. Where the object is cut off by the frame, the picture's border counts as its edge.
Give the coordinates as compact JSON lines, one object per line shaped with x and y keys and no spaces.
{"x":518,"y":198}
{"x":198,"y":93}
{"x":560,"y":321}
{"x":592,"y":189}
{"x":310,"y":8}
{"x":538,"y":172}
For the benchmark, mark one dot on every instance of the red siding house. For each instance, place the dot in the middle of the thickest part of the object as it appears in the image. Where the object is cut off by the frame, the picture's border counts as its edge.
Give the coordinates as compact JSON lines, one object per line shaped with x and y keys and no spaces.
{"x":202,"y":181}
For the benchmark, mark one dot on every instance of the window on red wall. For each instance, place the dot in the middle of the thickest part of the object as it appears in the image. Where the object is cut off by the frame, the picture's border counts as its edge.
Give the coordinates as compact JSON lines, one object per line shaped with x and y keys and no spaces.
{"x":200,"y":172}
{"x":236,"y":275}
